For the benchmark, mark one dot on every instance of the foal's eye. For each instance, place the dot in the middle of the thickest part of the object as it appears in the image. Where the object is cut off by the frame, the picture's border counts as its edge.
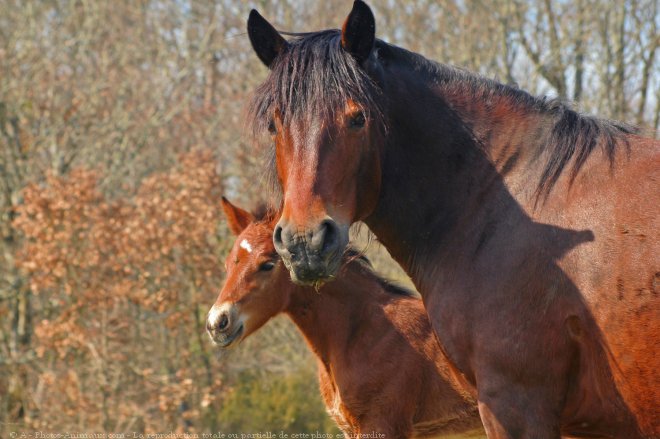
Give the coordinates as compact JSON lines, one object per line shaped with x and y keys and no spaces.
{"x":267,"y":266}
{"x":357,"y":120}
{"x":271,"y":127}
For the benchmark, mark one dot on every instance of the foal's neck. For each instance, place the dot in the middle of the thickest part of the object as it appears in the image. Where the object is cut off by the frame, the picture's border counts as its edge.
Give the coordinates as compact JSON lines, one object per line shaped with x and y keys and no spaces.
{"x":329,"y":318}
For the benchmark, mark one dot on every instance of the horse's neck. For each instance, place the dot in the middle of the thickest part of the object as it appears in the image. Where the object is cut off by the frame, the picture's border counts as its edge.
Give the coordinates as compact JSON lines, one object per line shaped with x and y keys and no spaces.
{"x":327,"y":318}
{"x":443,"y":163}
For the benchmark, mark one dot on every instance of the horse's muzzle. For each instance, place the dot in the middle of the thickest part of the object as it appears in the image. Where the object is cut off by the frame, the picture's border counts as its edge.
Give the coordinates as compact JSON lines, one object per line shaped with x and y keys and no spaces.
{"x":314,"y":255}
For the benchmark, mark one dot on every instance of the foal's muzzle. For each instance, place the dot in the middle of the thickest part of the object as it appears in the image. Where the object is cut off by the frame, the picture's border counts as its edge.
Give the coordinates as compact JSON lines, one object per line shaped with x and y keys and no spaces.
{"x":223,"y":326}
{"x":313,"y":255}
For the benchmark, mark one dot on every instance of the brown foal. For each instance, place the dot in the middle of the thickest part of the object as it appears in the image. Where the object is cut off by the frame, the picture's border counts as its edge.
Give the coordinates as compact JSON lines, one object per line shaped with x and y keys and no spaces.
{"x":380,"y":367}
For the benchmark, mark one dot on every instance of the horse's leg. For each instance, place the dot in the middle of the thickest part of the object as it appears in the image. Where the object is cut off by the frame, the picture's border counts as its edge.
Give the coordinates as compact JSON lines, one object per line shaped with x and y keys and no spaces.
{"x":517,"y":412}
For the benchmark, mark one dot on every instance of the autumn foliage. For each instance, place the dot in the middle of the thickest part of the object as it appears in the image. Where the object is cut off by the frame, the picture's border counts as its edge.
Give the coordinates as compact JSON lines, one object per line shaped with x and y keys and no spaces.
{"x":107,"y":267}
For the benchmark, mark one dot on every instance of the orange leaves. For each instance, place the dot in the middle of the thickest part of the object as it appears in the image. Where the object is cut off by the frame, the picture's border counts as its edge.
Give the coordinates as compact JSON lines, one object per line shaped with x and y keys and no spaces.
{"x":53,"y":214}
{"x":120,"y":283}
{"x":163,"y":236}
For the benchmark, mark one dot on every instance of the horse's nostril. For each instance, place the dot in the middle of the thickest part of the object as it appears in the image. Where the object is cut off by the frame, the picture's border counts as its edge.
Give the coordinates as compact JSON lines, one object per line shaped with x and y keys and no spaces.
{"x":224,"y":322}
{"x":277,"y":236}
{"x":329,"y":235}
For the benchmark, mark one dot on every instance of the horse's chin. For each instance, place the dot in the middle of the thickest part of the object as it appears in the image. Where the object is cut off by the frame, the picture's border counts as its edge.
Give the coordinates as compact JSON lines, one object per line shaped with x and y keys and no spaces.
{"x":316,"y":277}
{"x":315,"y":283}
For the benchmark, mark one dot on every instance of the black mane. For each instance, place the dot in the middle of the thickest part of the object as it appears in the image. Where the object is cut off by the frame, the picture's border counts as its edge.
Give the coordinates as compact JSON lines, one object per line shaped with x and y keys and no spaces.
{"x":315,"y":76}
{"x":351,"y":254}
{"x":572,"y":135}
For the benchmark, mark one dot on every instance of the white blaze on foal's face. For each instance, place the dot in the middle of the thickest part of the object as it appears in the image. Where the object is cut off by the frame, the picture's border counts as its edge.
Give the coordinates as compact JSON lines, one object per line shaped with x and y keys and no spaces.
{"x":254,"y":290}
{"x":246,"y":245}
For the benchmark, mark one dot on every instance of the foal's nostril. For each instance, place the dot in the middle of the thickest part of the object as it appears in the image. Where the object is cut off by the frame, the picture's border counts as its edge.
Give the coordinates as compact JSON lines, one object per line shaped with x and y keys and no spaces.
{"x":224,"y":322}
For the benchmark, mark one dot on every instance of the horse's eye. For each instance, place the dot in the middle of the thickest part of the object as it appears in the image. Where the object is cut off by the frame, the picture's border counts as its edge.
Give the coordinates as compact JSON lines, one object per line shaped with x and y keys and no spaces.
{"x":271,"y":127}
{"x":267,"y":266}
{"x":357,"y":120}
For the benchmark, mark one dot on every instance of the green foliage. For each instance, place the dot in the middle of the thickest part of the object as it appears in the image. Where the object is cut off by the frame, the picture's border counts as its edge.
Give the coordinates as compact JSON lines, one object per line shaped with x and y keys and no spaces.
{"x":274,"y":402}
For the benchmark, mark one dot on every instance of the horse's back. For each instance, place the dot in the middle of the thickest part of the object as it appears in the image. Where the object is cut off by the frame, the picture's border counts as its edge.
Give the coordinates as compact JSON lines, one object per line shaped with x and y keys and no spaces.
{"x":618,"y":272}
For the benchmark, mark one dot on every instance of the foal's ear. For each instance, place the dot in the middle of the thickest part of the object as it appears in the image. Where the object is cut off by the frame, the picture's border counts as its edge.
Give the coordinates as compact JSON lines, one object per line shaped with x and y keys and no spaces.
{"x":265,"y":39}
{"x":359,"y":31}
{"x":237,"y":218}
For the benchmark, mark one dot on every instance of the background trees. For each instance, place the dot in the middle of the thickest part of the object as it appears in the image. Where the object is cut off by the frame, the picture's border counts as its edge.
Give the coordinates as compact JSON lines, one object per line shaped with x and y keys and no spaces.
{"x":121,"y":124}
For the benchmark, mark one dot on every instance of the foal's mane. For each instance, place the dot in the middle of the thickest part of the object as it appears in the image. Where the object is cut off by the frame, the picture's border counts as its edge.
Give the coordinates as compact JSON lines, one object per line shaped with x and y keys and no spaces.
{"x":264,"y":214}
{"x":315,"y":76}
{"x":351,"y":254}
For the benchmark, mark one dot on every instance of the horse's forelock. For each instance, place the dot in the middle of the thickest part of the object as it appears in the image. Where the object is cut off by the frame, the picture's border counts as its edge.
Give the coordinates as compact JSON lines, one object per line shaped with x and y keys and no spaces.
{"x":313,"y":77}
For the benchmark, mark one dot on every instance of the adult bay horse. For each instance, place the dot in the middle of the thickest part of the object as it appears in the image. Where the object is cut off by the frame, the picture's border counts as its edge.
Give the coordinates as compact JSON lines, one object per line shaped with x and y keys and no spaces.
{"x":380,"y":367}
{"x":530,"y":230}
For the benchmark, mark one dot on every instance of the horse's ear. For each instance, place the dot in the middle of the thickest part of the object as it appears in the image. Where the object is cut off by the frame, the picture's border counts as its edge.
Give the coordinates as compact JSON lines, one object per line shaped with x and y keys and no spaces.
{"x":237,"y":218}
{"x":358,"y":34}
{"x":265,"y":39}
